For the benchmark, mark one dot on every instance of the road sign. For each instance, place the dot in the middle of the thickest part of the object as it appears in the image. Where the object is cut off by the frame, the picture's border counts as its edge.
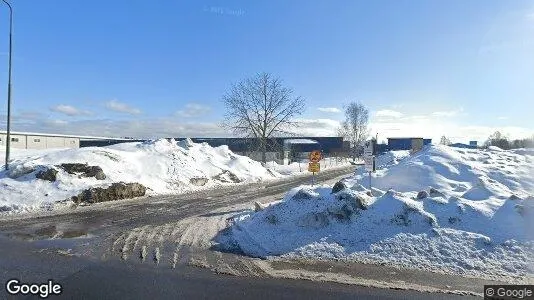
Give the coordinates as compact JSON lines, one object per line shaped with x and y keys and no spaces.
{"x":368,"y":149}
{"x":314,"y":167}
{"x":369,"y":163}
{"x":315,"y":156}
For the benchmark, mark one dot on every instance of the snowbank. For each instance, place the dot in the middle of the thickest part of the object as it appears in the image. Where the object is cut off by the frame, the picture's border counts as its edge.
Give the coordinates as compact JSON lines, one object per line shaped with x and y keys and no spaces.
{"x":476,"y":218}
{"x":162,"y":166}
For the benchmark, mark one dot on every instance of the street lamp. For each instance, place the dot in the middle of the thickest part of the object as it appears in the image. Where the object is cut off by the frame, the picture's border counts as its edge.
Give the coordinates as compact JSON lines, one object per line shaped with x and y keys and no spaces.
{"x":8,"y":137}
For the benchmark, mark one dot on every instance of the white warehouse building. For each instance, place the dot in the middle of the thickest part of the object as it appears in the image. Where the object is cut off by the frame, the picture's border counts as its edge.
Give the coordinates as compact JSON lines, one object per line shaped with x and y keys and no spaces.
{"x":32,"y":140}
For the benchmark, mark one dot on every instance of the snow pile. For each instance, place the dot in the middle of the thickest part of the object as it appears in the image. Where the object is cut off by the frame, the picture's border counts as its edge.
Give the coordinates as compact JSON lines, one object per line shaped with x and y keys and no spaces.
{"x":451,"y":210}
{"x":163,"y":166}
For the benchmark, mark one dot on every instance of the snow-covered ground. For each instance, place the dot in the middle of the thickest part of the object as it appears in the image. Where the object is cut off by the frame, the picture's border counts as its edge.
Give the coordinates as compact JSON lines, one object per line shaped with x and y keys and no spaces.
{"x":476,"y":219}
{"x":163,"y":166}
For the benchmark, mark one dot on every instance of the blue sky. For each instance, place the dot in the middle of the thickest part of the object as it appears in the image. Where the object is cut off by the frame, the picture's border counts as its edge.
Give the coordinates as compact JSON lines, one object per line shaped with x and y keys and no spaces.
{"x":158,"y":68}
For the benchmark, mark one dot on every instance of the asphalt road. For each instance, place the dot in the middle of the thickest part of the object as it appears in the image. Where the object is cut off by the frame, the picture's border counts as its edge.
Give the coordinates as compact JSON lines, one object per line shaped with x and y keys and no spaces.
{"x":83,"y":278}
{"x":27,"y":254}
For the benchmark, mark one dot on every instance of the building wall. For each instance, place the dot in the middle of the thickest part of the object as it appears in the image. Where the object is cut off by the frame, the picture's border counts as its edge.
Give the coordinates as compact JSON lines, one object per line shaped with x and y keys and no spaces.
{"x":18,"y":141}
{"x":35,"y":142}
{"x":400,"y":144}
{"x":2,"y":139}
{"x":55,"y":142}
{"x":271,"y":156}
{"x":72,"y":143}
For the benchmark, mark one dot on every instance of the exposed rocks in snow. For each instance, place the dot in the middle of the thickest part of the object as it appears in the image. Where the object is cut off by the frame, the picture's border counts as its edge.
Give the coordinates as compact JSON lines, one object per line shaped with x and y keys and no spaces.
{"x":354,"y":200}
{"x":49,"y":174}
{"x":198,"y":181}
{"x":305,"y":194}
{"x":514,"y":197}
{"x":435,"y":193}
{"x":422,"y":195}
{"x":116,"y":191}
{"x":227,"y":177}
{"x":338,"y":186}
{"x":259,"y":206}
{"x":84,"y":170}
{"x":342,"y":213}
{"x":20,"y":170}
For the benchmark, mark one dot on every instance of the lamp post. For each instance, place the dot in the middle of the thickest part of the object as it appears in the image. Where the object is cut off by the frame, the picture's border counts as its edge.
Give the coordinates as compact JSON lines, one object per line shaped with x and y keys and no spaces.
{"x":8,"y":137}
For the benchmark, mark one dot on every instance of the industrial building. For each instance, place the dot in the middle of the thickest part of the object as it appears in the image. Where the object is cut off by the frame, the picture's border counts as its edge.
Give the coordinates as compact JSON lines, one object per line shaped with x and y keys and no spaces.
{"x":33,"y":140}
{"x":403,"y":143}
{"x":282,"y":150}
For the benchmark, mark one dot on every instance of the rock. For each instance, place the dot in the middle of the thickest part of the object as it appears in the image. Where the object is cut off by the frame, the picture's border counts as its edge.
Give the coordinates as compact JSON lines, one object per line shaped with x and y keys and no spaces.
{"x":355,"y":201}
{"x":342,"y":213}
{"x":435,"y":193}
{"x":198,"y":181}
{"x":49,"y":174}
{"x":422,"y":195}
{"x":340,"y":185}
{"x":116,"y":191}
{"x":20,"y":170}
{"x":259,"y":207}
{"x":84,"y":169}
{"x":304,"y":194}
{"x":227,"y":176}
{"x":514,"y":197}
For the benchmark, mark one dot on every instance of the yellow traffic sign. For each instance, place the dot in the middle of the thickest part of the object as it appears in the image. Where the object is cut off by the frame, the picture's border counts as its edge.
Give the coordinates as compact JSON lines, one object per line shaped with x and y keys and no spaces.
{"x":315,"y":156}
{"x":314,"y":167}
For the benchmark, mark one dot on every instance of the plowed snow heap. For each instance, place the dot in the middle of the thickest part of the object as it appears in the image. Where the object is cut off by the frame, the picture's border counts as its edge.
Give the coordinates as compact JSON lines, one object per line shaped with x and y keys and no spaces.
{"x":451,"y":210}
{"x":162,"y":166}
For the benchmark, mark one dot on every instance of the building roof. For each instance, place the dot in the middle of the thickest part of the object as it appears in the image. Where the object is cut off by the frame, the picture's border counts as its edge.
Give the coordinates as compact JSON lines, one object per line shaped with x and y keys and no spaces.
{"x":82,"y":137}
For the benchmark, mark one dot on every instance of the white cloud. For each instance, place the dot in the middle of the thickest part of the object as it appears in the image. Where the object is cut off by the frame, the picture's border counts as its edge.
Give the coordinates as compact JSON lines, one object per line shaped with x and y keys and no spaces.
{"x":117,"y":106}
{"x":388,"y":113}
{"x":69,"y":110}
{"x":329,"y":109}
{"x":502,"y":118}
{"x":174,"y":127}
{"x":317,"y":127}
{"x":432,"y":128}
{"x":450,"y":113}
{"x":193,"y":110}
{"x":55,"y":122}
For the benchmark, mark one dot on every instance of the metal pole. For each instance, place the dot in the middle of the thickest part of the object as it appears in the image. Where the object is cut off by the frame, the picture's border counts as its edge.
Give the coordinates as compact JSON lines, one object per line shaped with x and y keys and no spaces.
{"x":8,"y":136}
{"x":370,"y":180}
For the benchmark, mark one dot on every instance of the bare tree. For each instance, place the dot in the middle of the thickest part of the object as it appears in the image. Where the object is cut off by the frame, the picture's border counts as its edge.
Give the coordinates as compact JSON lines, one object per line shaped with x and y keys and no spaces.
{"x":261,"y":107}
{"x":354,"y":128}
{"x":498,"y":139}
{"x":444,"y":141}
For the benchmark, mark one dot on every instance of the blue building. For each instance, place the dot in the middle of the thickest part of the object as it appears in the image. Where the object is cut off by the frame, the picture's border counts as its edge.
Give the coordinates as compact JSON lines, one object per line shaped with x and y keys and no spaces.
{"x":278,"y":149}
{"x":460,"y":145}
{"x":407,"y":143}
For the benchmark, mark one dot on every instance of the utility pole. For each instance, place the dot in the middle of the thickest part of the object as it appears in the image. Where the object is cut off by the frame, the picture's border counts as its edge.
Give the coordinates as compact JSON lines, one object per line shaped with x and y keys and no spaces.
{"x":8,"y":137}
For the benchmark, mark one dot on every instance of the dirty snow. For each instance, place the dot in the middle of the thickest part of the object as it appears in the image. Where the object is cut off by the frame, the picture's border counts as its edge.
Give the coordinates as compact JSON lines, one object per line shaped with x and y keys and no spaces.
{"x":475,"y":221}
{"x":163,"y":166}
